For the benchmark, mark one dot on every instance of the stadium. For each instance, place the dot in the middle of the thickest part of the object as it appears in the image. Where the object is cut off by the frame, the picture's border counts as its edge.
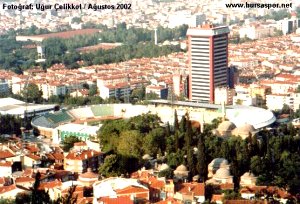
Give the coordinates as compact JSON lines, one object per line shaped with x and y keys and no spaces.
{"x":11,"y":106}
{"x":52,"y":124}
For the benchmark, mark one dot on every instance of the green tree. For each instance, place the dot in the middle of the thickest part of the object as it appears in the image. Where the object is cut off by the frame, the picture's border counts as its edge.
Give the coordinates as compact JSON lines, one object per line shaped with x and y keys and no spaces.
{"x":93,"y":90}
{"x":138,"y":94}
{"x":154,"y":142}
{"x":68,"y":142}
{"x":108,"y":168}
{"x":167,"y":173}
{"x":109,"y":134}
{"x":76,"y":20}
{"x":31,"y":93}
{"x":201,"y":163}
{"x":39,"y":196}
{"x":8,"y":201}
{"x":70,"y":198}
{"x":151,"y":96}
{"x":130,"y":144}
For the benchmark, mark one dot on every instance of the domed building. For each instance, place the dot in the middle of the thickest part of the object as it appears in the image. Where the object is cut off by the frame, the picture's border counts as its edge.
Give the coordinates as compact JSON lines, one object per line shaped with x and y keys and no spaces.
{"x":224,"y":129}
{"x":181,"y":172}
{"x":163,"y":167}
{"x":222,"y":176}
{"x":88,"y":178}
{"x":147,"y":157}
{"x":248,"y":179}
{"x":216,"y":164}
{"x":244,"y":131}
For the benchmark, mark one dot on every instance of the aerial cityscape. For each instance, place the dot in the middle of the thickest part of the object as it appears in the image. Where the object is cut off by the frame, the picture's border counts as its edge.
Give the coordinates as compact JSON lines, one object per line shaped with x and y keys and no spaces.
{"x":155,"y":101}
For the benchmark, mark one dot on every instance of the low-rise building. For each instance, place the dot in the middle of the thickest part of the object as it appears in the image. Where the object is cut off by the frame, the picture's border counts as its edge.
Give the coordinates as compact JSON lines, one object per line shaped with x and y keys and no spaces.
{"x":190,"y":192}
{"x":5,"y":168}
{"x":160,"y":91}
{"x":224,"y":95}
{"x":277,"y":101}
{"x":80,"y":161}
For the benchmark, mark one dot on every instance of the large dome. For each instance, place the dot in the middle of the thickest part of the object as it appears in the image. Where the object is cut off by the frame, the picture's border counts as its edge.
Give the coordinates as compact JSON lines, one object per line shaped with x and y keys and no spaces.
{"x":244,"y":131}
{"x":163,"y":167}
{"x":181,"y":168}
{"x":217,"y":162}
{"x":226,"y":126}
{"x":222,"y":173}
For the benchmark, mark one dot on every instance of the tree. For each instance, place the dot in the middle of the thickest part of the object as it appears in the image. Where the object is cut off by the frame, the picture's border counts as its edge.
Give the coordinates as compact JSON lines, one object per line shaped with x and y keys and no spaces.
{"x":70,"y":198}
{"x":151,"y":96}
{"x":109,"y":134}
{"x":69,"y":141}
{"x":138,"y":94}
{"x":31,"y":93}
{"x":130,"y":144}
{"x":92,"y":90}
{"x":201,"y":163}
{"x":167,"y":173}
{"x":115,"y":165}
{"x":154,"y":142}
{"x":108,"y":168}
{"x":9,"y":201}
{"x":39,"y":196}
{"x":76,"y":20}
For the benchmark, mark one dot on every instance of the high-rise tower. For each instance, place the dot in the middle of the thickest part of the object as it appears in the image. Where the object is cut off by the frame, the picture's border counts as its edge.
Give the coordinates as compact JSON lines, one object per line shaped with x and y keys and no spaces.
{"x":208,"y":59}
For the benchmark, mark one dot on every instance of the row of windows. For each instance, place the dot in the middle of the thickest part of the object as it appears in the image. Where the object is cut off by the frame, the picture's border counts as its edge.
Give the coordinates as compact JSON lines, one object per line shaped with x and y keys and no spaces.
{"x":220,"y":52}
{"x":199,"y":51}
{"x":220,"y":48}
{"x":199,"y":47}
{"x":220,"y":37}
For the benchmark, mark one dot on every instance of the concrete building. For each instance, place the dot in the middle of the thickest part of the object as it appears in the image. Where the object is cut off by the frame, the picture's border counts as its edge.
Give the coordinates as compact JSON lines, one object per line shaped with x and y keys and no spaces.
{"x":115,"y":187}
{"x":80,"y":161}
{"x":256,"y":32}
{"x":277,"y":101}
{"x":118,"y":91}
{"x":4,"y":88}
{"x":224,"y":95}
{"x":162,"y":92}
{"x":208,"y":59}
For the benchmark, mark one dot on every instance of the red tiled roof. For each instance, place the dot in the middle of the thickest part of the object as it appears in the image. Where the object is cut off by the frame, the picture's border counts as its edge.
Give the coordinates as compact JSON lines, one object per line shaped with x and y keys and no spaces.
{"x":82,"y":155}
{"x":5,"y":164}
{"x":244,"y":202}
{"x":227,"y":186}
{"x":216,"y":198}
{"x":28,"y":172}
{"x":118,"y":200}
{"x":85,"y":200}
{"x":5,"y":189}
{"x":169,"y":201}
{"x":188,"y":188}
{"x":34,"y":157}
{"x":272,"y":189}
{"x":6,"y":154}
{"x":79,"y":144}
{"x":2,"y":180}
{"x":51,"y":184}
{"x":55,"y":156}
{"x":24,"y":180}
{"x":131,"y":189}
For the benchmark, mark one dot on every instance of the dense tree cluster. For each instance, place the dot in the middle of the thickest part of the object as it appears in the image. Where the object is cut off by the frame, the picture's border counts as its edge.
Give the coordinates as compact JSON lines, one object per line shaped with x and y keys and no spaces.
{"x":278,"y":15}
{"x":10,"y":124}
{"x":272,"y":155}
{"x":68,"y":143}
{"x":137,"y":43}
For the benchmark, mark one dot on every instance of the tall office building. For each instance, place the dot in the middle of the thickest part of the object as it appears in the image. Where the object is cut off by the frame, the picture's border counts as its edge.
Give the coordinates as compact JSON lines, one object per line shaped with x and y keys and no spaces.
{"x":208,"y":58}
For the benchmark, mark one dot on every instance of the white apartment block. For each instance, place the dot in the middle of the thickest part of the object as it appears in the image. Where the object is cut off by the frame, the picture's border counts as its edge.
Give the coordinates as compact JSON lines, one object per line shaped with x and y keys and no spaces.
{"x":277,"y":101}
{"x":224,"y":95}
